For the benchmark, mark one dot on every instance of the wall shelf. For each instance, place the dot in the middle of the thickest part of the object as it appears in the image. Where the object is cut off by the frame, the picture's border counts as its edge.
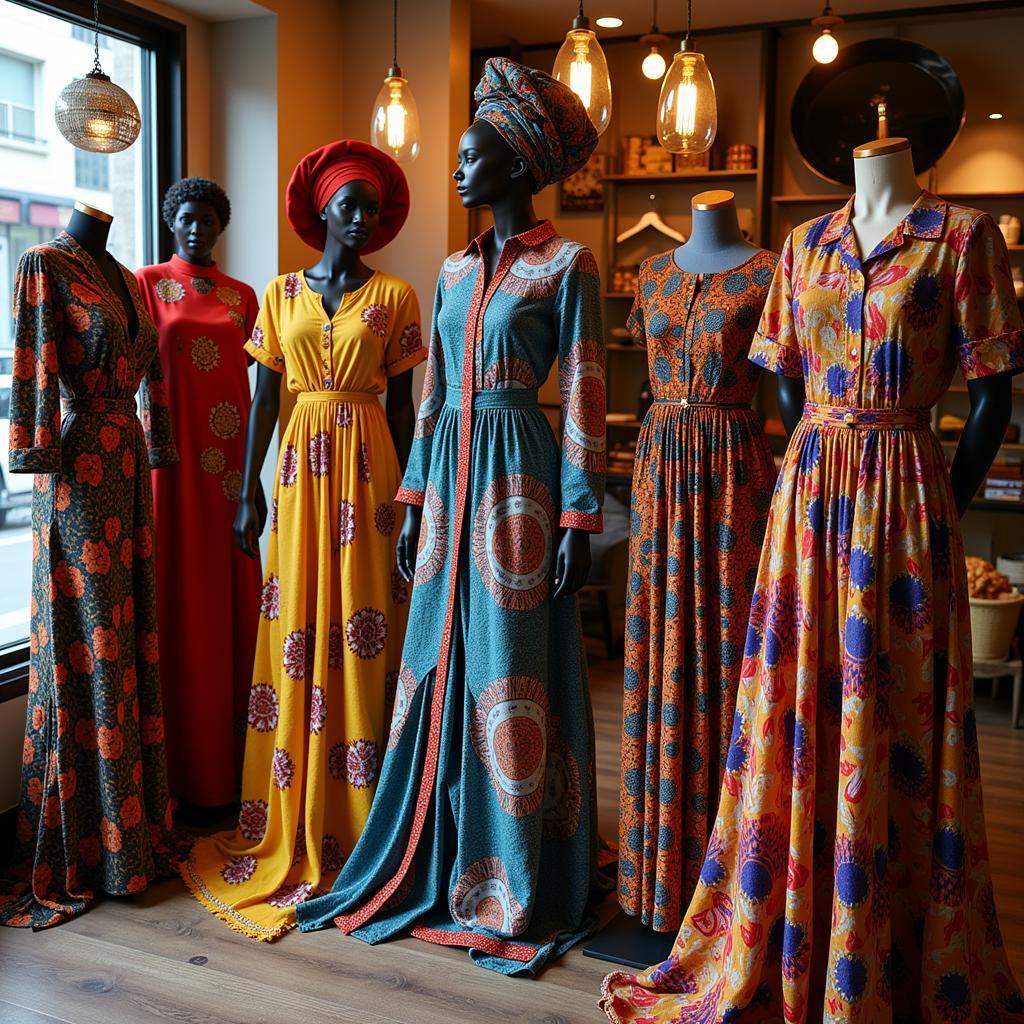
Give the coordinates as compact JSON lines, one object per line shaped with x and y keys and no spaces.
{"x":994,"y":505}
{"x":681,"y":176}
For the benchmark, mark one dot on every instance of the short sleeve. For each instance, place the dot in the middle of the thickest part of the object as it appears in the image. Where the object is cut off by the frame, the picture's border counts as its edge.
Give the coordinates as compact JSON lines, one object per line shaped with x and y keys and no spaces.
{"x":264,"y":343}
{"x":404,"y":348}
{"x":775,"y":345}
{"x":987,"y":327}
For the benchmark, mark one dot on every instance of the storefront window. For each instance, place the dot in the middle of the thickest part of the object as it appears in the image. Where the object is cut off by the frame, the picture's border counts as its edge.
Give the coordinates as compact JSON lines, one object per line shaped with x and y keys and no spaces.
{"x":41,"y":177}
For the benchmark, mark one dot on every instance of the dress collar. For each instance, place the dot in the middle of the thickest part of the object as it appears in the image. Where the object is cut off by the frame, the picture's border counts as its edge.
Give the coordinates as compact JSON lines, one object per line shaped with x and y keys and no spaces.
{"x":535,"y":236}
{"x":192,"y":269}
{"x":926,"y":219}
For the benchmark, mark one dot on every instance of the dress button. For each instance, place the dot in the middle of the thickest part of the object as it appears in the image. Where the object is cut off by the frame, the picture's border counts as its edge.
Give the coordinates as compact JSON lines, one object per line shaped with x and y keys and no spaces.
{"x":849,"y":419}
{"x":327,"y":327}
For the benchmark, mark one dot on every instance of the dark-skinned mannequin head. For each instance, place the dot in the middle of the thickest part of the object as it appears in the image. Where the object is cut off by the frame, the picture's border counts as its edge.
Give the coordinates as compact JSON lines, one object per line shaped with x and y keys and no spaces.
{"x":490,"y":171}
{"x":352,"y":216}
{"x":196,"y":210}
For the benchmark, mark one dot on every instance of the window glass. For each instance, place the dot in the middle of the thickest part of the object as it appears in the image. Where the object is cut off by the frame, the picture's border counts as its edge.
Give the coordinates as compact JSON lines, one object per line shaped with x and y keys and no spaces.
{"x":41,"y":177}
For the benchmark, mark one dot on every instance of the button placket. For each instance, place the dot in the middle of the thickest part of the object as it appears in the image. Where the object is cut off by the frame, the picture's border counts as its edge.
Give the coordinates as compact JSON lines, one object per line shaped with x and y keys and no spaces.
{"x":325,"y":352}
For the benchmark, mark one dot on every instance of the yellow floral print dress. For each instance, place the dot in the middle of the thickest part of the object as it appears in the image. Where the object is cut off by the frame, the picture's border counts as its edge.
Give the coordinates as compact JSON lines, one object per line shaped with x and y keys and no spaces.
{"x":333,"y":608}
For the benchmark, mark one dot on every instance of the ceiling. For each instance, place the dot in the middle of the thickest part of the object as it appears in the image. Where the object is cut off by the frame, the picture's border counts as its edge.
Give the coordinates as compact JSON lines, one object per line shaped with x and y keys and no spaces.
{"x":503,"y":22}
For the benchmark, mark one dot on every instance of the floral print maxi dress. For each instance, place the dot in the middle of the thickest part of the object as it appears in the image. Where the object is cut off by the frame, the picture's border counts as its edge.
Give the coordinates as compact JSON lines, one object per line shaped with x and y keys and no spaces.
{"x":484,"y":832}
{"x":702,"y":484}
{"x":333,"y":607}
{"x":95,"y":812}
{"x":847,"y":877}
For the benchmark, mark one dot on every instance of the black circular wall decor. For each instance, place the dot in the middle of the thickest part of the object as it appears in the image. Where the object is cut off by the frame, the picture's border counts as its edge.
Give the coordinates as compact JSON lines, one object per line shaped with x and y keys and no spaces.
{"x":835,"y":107}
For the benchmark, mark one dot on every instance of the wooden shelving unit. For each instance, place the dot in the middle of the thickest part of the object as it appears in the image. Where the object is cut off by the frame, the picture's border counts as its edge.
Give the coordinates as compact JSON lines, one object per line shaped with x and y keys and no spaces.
{"x":682,"y":176}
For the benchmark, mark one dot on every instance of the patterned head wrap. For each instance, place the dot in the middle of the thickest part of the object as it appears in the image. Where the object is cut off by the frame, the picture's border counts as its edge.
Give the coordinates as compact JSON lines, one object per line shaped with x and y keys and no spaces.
{"x":320,"y":174}
{"x":543,"y":120}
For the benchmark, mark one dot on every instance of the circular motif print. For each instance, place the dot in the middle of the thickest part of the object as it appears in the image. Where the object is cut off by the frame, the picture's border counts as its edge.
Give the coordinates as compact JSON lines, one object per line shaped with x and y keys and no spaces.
{"x":205,"y":353}
{"x":509,"y":733}
{"x":229,"y":296}
{"x":169,"y":290}
{"x":539,"y":271}
{"x":433,"y":541}
{"x":225,"y":420}
{"x":212,"y":460}
{"x":433,"y":396}
{"x":483,"y":898}
{"x":513,"y":541}
{"x":562,"y":793}
{"x":403,"y":702}
{"x":583,"y":398}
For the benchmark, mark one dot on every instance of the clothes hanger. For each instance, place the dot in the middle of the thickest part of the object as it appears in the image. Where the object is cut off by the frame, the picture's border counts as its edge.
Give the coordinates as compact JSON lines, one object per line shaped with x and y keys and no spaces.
{"x":651,"y":219}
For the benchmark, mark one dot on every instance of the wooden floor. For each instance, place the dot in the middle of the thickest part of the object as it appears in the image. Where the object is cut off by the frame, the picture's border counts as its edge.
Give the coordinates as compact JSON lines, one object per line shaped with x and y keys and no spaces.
{"x":160,"y":959}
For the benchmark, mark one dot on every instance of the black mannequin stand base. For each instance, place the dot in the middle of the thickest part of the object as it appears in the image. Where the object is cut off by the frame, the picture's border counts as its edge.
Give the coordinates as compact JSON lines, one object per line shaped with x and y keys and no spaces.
{"x":624,"y":940}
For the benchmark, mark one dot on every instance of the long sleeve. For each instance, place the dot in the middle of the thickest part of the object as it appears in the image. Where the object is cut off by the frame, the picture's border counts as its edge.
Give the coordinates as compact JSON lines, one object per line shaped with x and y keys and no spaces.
{"x":156,"y":417}
{"x":414,"y":483}
{"x":582,"y":386}
{"x":35,"y":389}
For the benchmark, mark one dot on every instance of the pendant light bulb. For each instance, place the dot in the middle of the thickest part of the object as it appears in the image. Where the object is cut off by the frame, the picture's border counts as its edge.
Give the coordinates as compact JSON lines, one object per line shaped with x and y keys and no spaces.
{"x":93,"y":113}
{"x":654,"y":65}
{"x":581,"y":65}
{"x":395,"y":124}
{"x":687,"y":107}
{"x":826,"y":47}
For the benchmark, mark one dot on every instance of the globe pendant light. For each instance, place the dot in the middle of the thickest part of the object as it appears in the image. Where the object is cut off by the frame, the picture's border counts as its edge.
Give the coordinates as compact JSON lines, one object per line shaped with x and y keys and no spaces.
{"x":94,"y":114}
{"x":581,"y":64}
{"x":653,"y":65}
{"x":395,"y":126}
{"x":826,"y":47}
{"x":687,"y":109}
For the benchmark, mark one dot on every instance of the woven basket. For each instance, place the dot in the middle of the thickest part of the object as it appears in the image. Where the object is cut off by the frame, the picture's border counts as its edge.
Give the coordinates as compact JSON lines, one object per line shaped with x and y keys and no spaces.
{"x":992,"y":627}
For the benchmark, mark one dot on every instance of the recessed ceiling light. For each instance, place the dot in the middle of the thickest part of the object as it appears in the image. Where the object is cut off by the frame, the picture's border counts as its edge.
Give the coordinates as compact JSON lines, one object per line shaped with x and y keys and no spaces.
{"x":995,"y":117}
{"x":609,"y":22}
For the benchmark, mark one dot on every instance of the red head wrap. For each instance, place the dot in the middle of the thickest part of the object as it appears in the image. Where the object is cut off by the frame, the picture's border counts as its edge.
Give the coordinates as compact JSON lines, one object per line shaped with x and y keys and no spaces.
{"x":320,"y":174}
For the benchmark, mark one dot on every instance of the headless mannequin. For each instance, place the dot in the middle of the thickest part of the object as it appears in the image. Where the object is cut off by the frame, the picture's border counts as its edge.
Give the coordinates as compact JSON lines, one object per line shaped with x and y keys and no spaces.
{"x":716,"y":243}
{"x":352,"y":215}
{"x":90,"y":228}
{"x":491,"y":174}
{"x":886,"y":192}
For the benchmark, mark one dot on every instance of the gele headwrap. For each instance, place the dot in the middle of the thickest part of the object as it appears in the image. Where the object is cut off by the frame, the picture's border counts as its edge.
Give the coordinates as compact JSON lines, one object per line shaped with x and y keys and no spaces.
{"x":543,"y":120}
{"x":320,"y":174}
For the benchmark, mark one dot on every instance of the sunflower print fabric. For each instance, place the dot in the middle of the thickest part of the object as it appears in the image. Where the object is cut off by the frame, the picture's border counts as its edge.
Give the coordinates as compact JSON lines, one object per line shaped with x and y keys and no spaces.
{"x":95,"y":810}
{"x":847,"y":878}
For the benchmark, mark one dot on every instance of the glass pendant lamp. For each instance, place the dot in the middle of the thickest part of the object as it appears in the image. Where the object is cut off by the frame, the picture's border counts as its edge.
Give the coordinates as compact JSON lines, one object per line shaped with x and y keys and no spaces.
{"x":653,"y":66}
{"x":581,"y":64}
{"x":687,"y":108}
{"x":826,"y":46}
{"x":93,"y":113}
{"x":395,"y":126}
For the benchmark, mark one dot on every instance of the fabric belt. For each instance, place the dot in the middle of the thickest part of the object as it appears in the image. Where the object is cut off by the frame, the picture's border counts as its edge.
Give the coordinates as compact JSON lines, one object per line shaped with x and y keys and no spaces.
{"x":121,"y":406}
{"x":494,"y":398}
{"x":866,"y":419}
{"x":697,"y":403}
{"x":329,"y":397}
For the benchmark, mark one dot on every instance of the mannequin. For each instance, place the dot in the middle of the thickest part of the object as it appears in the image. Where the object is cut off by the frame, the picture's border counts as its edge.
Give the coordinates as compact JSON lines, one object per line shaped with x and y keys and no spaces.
{"x":716,"y":242}
{"x":332,"y":611}
{"x":886,"y":189}
{"x":498,"y":178}
{"x":91,"y":228}
{"x":494,"y":646}
{"x":679,"y":687}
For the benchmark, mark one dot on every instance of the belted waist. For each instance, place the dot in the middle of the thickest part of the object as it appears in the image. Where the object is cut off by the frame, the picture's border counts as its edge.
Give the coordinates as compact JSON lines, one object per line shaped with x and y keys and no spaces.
{"x":700,"y":403}
{"x":494,"y":398}
{"x":121,"y":406}
{"x":328,"y":397}
{"x":867,"y":419}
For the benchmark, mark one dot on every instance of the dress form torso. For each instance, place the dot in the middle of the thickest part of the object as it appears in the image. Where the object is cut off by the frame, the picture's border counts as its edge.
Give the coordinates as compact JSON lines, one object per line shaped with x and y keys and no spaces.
{"x":716,"y":242}
{"x":886,"y":190}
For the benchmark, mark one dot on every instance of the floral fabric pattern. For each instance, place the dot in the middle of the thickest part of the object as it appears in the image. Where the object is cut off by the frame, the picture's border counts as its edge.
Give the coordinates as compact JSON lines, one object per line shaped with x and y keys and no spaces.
{"x":702,"y":484}
{"x":208,"y":587}
{"x":95,"y":809}
{"x":847,"y":876}
{"x":330,"y":629}
{"x":486,"y":728}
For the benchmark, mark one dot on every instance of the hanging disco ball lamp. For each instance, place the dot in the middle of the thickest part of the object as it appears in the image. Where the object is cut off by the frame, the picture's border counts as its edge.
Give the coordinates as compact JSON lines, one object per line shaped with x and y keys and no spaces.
{"x":93,"y":113}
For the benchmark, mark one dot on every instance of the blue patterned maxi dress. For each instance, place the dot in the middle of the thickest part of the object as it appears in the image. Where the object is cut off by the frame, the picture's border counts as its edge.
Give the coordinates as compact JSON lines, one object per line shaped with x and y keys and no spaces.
{"x":483,"y":833}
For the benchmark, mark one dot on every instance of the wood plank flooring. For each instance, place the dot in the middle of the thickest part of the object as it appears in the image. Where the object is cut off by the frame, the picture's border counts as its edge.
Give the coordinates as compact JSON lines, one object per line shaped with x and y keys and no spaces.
{"x":159,"y":958}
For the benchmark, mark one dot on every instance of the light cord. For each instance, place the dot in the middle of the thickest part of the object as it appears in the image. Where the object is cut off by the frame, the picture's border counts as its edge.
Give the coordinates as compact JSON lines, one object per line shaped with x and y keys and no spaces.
{"x":96,"y":69}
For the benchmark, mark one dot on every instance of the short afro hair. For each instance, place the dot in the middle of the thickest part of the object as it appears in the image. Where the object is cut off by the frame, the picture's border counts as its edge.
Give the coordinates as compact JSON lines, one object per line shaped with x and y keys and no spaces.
{"x":196,"y":190}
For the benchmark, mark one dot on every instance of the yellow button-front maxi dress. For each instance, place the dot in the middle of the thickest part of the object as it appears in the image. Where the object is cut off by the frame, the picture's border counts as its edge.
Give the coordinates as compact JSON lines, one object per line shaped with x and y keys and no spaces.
{"x":333,"y":608}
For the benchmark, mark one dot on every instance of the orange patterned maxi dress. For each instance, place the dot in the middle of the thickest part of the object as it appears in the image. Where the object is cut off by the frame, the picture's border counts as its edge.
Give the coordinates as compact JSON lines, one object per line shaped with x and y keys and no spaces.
{"x":702,"y":485}
{"x":847,"y":876}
